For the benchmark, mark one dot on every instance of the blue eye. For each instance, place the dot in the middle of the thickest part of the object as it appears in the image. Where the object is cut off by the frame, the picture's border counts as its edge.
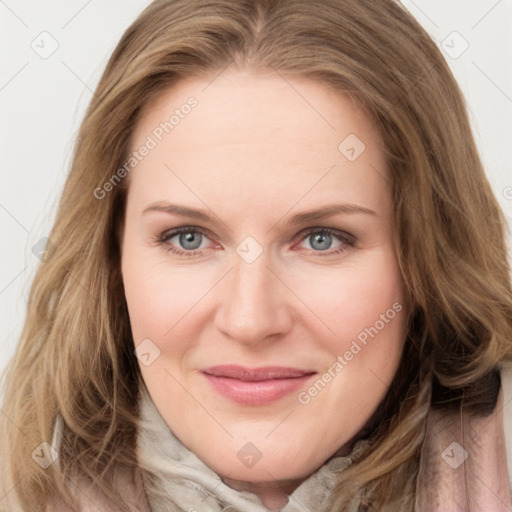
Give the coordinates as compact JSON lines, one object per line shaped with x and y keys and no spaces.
{"x":327,"y":241}
{"x":320,"y":241}
{"x":190,"y":240}
{"x":186,"y":241}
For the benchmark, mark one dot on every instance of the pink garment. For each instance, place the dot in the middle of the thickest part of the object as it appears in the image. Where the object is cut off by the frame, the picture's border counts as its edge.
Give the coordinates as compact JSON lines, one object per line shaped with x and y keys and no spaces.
{"x":92,"y":500}
{"x":463,"y":464}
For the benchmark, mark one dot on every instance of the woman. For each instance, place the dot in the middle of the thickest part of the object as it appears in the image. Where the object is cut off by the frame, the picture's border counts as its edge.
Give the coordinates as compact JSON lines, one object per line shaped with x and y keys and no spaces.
{"x":279,"y":278}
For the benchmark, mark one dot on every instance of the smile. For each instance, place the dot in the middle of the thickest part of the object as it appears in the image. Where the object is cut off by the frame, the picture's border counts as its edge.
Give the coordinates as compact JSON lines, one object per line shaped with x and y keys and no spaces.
{"x":257,"y":386}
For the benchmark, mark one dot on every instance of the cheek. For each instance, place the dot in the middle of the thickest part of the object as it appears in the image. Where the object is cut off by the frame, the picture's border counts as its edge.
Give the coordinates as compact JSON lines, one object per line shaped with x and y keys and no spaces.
{"x":365,"y":307}
{"x":359,"y":301}
{"x":161,"y":299}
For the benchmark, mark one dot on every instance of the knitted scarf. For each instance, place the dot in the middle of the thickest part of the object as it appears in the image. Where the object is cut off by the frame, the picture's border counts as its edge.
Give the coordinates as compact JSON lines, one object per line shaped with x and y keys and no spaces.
{"x":463,"y":468}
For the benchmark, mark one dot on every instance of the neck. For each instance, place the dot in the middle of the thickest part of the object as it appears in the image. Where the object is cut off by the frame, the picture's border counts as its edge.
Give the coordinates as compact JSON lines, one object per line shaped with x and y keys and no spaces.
{"x":274,"y":494}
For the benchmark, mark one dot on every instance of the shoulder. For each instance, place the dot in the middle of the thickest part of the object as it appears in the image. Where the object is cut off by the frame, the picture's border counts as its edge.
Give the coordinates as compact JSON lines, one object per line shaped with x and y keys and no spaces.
{"x":91,"y":499}
{"x":506,"y":384}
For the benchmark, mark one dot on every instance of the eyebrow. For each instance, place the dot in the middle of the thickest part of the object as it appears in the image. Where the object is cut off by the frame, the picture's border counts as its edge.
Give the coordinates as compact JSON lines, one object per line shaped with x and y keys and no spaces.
{"x":327,"y":211}
{"x":177,"y":209}
{"x":298,"y":218}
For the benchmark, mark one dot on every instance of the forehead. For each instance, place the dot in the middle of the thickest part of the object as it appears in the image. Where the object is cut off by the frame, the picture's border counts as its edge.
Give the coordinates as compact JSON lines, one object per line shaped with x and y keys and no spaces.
{"x":249,"y":136}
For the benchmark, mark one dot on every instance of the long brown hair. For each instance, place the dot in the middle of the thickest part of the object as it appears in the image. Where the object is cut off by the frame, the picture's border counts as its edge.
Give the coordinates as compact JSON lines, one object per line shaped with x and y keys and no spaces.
{"x":75,"y":358}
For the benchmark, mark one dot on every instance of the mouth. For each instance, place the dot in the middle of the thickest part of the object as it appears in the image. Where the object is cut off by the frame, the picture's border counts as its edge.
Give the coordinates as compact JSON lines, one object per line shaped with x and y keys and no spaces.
{"x":256,"y":386}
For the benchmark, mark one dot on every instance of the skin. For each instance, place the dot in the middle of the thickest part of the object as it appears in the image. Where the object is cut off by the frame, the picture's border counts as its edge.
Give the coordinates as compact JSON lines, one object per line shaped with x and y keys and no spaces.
{"x":255,"y":151}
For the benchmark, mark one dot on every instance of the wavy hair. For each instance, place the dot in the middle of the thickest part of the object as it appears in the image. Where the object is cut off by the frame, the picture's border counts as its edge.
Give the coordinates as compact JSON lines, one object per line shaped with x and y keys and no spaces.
{"x":75,"y":359}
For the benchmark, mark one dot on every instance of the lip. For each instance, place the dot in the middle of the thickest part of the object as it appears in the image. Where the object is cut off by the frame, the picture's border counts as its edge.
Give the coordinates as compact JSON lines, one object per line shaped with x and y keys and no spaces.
{"x":256,"y":386}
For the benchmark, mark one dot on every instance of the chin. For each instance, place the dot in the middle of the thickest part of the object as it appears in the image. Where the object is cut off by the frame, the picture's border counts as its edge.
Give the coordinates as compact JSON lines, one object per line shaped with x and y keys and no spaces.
{"x":260,"y":461}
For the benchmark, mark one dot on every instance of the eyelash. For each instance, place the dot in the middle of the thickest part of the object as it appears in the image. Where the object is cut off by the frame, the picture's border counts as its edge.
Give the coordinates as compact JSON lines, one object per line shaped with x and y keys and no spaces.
{"x":164,"y":237}
{"x":346,"y":240}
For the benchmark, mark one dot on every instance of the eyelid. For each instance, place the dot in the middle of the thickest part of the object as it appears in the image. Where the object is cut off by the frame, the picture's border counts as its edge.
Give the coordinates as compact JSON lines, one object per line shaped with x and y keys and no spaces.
{"x":342,"y":235}
{"x":172,"y":232}
{"x":164,"y":237}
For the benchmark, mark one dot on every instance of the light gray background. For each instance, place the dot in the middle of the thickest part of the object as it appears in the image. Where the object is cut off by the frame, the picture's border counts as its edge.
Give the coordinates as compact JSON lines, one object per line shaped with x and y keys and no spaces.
{"x":43,"y":98}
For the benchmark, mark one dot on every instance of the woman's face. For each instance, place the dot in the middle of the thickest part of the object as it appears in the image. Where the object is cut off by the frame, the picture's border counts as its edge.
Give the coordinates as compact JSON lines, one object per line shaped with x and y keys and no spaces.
{"x":264,"y":294}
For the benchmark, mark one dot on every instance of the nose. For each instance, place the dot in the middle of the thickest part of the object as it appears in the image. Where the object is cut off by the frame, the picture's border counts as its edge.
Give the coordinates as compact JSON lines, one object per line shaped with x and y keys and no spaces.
{"x":253,"y":305}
